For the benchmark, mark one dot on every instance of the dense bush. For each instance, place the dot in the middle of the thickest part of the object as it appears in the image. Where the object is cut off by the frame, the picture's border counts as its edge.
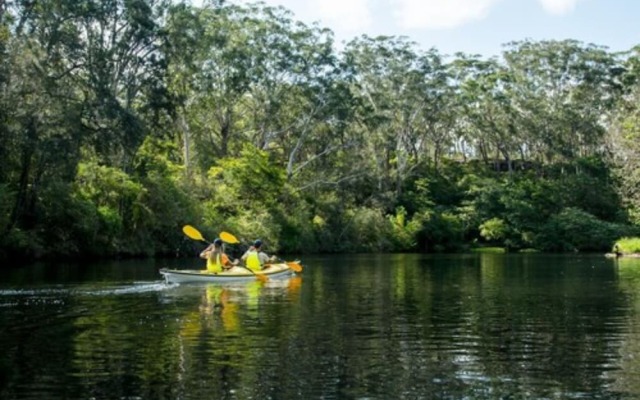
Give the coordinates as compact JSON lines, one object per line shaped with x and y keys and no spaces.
{"x":573,"y":229}
{"x":628,"y":245}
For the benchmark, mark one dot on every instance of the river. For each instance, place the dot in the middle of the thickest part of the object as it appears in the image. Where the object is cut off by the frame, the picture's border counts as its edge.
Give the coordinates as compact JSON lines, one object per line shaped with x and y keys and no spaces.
{"x":475,"y":326}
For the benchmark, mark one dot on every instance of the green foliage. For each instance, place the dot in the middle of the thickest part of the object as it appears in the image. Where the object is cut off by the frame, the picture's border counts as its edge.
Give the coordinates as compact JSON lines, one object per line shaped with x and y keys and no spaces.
{"x":417,"y":197}
{"x":365,"y":230}
{"x":576,"y":230}
{"x":249,"y":180}
{"x":246,"y":197}
{"x":440,"y":231}
{"x":6,"y":200}
{"x":111,"y":225}
{"x":493,"y":229}
{"x":327,"y":221}
{"x":587,"y":184}
{"x":165,"y":198}
{"x":71,"y":222}
{"x":169,"y":207}
{"x":105,"y":185}
{"x":489,"y":250}
{"x":300,"y":231}
{"x":158,"y":156}
{"x":515,"y":210}
{"x":624,"y":139}
{"x":403,"y":232}
{"x":19,"y":243}
{"x":117,"y":198}
{"x":13,"y":240}
{"x":239,"y":118}
{"x":628,"y":245}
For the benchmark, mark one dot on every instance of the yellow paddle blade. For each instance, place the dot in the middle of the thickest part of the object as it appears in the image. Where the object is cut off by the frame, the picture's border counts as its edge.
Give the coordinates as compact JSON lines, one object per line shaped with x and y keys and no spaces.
{"x":294,"y":266}
{"x":228,"y":238}
{"x":192,"y":232}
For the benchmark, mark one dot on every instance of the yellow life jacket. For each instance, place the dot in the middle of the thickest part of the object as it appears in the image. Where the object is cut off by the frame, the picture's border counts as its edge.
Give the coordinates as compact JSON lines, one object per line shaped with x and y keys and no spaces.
{"x":252,"y":301}
{"x":214,"y":265}
{"x":253,"y":261}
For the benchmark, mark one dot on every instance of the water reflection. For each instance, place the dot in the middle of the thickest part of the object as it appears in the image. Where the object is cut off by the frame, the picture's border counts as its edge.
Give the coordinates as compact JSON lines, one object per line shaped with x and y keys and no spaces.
{"x":397,"y":326}
{"x":217,"y":342}
{"x":488,"y":326}
{"x":213,"y":299}
{"x":626,"y":377}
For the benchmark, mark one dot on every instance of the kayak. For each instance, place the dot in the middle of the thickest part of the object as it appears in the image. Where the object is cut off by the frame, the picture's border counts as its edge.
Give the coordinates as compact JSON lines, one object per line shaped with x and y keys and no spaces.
{"x":234,"y":274}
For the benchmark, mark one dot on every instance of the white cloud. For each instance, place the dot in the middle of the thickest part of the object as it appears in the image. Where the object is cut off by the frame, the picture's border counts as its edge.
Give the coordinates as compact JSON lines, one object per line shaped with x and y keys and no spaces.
{"x":440,"y":14}
{"x":347,"y":15}
{"x":559,"y":7}
{"x":350,"y":17}
{"x":341,"y":15}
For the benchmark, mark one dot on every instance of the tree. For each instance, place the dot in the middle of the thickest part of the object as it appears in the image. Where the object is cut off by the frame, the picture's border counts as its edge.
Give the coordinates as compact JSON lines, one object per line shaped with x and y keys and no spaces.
{"x":624,"y":145}
{"x":487,"y":122}
{"x":561,"y":90}
{"x":76,"y":74}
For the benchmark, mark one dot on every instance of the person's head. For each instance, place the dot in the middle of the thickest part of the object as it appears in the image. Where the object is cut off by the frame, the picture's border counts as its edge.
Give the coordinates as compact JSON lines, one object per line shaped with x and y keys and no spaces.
{"x":257,"y":244}
{"x":218,"y":244}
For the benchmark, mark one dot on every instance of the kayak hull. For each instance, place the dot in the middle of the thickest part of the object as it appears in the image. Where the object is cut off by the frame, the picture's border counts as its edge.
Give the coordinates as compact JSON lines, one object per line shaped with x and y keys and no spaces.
{"x":235,"y":274}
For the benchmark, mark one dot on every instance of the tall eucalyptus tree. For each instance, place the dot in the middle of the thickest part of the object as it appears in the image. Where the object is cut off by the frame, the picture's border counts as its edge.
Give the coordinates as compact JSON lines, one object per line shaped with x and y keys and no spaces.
{"x":487,"y":121}
{"x":624,"y":136}
{"x":442,"y":111}
{"x":386,"y":79}
{"x":408,"y":111}
{"x":252,"y":74}
{"x":562,"y":91}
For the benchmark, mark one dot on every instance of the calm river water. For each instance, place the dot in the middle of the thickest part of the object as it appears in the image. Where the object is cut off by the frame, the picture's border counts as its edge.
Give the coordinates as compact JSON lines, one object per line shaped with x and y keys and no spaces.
{"x":350,"y":327}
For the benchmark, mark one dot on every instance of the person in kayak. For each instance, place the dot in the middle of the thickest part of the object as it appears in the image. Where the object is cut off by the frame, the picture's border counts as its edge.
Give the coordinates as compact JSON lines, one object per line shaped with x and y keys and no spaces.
{"x":217,"y":260}
{"x":256,"y":259}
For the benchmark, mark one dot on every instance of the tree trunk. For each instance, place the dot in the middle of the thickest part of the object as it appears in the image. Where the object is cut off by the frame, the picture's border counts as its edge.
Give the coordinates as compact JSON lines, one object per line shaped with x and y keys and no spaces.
{"x":20,"y":205}
{"x":184,"y":127}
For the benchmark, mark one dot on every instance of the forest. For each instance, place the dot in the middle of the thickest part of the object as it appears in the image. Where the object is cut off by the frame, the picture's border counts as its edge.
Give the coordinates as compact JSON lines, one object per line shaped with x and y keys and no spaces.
{"x":123,"y":120}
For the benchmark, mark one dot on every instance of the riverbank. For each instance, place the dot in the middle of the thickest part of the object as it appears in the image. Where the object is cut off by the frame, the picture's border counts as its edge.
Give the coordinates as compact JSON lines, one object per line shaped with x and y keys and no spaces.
{"x":619,"y":255}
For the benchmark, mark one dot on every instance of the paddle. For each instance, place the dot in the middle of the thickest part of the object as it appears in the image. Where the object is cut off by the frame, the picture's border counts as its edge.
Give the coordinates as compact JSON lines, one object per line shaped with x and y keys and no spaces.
{"x":229,"y":238}
{"x":195,"y":234}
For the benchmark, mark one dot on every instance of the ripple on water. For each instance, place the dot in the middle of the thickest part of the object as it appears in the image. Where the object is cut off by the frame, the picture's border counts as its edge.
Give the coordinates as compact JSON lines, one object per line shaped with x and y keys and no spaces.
{"x":88,"y":290}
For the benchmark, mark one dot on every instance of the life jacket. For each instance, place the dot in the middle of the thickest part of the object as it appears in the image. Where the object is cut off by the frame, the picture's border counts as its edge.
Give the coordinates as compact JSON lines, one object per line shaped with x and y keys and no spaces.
{"x":214,"y":265}
{"x":253,"y":261}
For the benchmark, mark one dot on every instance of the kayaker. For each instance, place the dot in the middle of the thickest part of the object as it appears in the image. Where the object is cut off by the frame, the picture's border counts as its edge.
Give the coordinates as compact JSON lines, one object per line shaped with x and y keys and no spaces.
{"x":616,"y":250}
{"x":217,"y":260}
{"x":256,"y":259}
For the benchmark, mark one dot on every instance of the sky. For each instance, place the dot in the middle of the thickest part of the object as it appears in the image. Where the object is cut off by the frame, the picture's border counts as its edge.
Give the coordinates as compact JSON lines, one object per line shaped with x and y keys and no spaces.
{"x":474,"y":26}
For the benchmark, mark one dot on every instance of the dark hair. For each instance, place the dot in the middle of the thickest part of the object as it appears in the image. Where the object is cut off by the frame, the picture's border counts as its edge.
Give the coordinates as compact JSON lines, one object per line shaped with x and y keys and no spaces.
{"x":257,"y":243}
{"x":218,"y":242}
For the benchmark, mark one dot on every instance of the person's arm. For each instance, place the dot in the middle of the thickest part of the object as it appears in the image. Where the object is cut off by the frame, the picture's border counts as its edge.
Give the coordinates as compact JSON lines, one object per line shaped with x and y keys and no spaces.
{"x":264,"y":258}
{"x":246,"y":254}
{"x":226,"y":261}
{"x":206,"y":252}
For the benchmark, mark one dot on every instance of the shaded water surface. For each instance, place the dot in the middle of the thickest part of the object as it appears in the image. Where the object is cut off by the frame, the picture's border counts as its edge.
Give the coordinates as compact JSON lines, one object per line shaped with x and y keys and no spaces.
{"x":351,"y":327}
